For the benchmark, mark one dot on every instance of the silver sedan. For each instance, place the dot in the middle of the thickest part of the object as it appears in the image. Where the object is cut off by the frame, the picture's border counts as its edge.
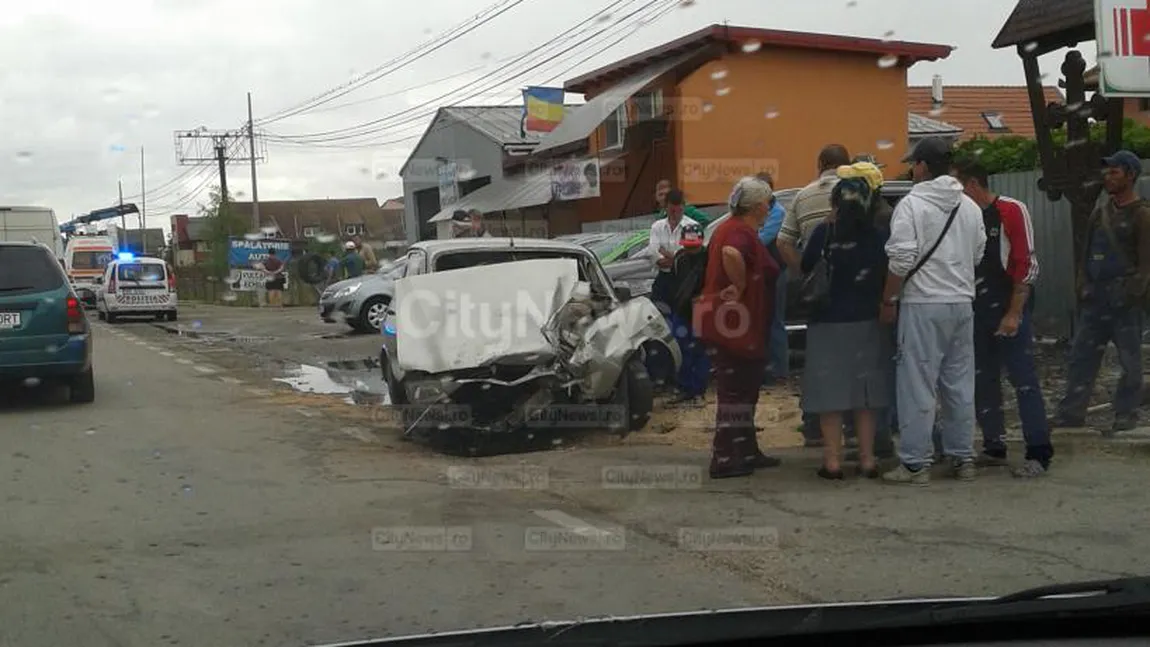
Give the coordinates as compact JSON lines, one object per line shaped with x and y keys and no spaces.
{"x":361,"y":302}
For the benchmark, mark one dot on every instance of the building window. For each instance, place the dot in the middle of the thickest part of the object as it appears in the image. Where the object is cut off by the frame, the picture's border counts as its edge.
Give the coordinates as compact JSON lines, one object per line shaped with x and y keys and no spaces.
{"x":614,"y":127}
{"x":649,"y":106}
{"x":994,"y":120}
{"x":1144,"y":105}
{"x":310,"y":232}
{"x":353,"y":230}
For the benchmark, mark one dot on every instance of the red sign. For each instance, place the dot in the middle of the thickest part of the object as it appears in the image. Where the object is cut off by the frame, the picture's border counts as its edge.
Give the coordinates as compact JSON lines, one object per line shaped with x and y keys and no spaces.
{"x":1131,"y":31}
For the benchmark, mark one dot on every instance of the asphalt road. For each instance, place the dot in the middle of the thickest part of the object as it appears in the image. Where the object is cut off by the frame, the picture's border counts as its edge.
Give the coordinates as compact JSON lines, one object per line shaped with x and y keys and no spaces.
{"x":197,"y":502}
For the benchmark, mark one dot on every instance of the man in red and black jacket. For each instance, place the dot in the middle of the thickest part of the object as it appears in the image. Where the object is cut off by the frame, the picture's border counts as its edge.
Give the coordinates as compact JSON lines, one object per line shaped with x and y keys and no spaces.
{"x":1002,"y":326}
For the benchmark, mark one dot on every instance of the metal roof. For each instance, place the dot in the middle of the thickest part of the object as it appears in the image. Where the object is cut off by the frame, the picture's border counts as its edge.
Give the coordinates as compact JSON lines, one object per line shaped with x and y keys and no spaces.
{"x":735,"y":37}
{"x":503,"y":194}
{"x":581,"y":123}
{"x":919,"y":125}
{"x":499,"y":123}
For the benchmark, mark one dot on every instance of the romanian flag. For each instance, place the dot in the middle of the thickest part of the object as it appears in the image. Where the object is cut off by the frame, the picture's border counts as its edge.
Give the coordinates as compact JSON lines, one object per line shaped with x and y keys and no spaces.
{"x":542,"y":109}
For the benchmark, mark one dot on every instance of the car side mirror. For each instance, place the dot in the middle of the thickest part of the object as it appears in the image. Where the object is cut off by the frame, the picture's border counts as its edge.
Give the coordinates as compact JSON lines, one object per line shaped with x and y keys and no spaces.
{"x":623,"y":293}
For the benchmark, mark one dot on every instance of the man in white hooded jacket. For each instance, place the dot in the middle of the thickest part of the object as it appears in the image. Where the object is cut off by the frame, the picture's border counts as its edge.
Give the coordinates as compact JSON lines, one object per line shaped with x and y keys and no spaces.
{"x":931,"y":295}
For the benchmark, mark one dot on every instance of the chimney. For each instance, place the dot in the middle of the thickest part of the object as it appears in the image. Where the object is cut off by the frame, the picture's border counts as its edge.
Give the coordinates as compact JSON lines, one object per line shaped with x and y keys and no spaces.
{"x":936,"y":91}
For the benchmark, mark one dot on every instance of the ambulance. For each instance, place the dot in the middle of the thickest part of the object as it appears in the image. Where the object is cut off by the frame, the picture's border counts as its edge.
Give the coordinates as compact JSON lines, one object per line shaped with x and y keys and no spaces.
{"x":85,"y":259}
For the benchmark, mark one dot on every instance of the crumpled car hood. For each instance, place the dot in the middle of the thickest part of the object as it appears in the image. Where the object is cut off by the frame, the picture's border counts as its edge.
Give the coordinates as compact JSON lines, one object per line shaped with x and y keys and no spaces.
{"x":468,"y":318}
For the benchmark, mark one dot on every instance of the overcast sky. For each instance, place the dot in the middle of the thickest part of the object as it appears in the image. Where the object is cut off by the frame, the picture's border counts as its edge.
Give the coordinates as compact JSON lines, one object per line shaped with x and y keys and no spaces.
{"x":94,"y":81}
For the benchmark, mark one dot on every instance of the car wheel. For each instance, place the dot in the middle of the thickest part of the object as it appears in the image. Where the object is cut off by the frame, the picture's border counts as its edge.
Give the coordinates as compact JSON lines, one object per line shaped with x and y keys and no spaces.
{"x":372,"y":313}
{"x":110,"y":318}
{"x":82,"y":388}
{"x":640,"y":392}
{"x":173,"y":315}
{"x":100,"y":315}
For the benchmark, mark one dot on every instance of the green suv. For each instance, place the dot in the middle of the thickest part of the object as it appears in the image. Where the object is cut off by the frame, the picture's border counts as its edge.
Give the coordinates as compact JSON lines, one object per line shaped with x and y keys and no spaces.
{"x":44,"y":333}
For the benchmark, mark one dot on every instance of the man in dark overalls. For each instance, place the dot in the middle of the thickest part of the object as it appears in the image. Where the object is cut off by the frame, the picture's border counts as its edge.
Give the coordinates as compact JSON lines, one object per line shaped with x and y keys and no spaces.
{"x":1003,"y":336}
{"x":1112,"y":292}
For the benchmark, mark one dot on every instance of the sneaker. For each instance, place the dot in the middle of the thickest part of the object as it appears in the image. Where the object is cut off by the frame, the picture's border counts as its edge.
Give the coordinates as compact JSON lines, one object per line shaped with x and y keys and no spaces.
{"x":1029,"y":469}
{"x":904,"y":476}
{"x":990,"y":460}
{"x":1125,"y":423}
{"x":964,"y":470}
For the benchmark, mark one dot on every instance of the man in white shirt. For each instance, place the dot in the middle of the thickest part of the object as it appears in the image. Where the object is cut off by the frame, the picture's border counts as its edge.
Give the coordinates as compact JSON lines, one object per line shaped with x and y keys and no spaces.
{"x":666,"y":237}
{"x":930,"y":293}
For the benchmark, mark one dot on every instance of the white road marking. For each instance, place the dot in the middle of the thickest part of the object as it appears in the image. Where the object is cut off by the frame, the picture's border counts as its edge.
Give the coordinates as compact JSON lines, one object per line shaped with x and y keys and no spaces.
{"x":167,"y":354}
{"x":206,"y":370}
{"x":574,"y":524}
{"x":307,"y":413}
{"x":231,"y":380}
{"x":185,"y":362}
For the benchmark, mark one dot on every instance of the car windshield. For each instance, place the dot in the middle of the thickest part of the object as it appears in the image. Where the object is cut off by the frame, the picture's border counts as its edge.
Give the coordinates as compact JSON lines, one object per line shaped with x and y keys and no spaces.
{"x":26,"y":270}
{"x":284,"y":458}
{"x":140,"y":272}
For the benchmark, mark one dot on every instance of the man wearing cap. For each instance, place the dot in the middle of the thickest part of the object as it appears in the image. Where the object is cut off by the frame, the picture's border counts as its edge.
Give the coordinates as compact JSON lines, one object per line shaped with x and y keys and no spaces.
{"x":1112,"y":287}
{"x":353,"y":264}
{"x":475,"y":219}
{"x":688,"y":271}
{"x":937,"y":239}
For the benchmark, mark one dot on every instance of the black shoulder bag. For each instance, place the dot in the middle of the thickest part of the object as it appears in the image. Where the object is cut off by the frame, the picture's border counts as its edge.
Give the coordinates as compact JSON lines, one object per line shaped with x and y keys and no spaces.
{"x":930,"y":252}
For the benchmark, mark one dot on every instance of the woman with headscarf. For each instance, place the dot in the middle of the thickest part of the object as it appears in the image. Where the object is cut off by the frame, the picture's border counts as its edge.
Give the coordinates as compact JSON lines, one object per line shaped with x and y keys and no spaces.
{"x":731,"y":317}
{"x":848,"y":351}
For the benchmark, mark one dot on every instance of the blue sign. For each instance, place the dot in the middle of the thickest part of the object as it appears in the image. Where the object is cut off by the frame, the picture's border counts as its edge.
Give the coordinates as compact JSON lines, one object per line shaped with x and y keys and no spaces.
{"x":247,"y":253}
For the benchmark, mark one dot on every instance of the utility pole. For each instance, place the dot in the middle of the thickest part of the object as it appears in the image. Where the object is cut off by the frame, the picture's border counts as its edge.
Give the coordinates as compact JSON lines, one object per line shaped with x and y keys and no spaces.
{"x":255,"y":190}
{"x":143,"y":207}
{"x":123,"y":218}
{"x":222,"y":160}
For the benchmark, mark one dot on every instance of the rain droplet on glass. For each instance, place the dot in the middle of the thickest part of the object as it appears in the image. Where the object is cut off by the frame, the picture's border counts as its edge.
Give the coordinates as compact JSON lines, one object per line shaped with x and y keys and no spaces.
{"x":888,"y":35}
{"x":772,"y":113}
{"x":885,"y":144}
{"x":230,"y":296}
{"x":852,"y":4}
{"x":937,"y":112}
{"x":719,"y":75}
{"x":890,"y":60}
{"x":1030,"y":47}
{"x":604,"y":18}
{"x":683,"y":4}
{"x":722,"y":92}
{"x":752,"y":46}
{"x":23,"y":156}
{"x":708,"y":106}
{"x":251,"y":236}
{"x":365,"y":171}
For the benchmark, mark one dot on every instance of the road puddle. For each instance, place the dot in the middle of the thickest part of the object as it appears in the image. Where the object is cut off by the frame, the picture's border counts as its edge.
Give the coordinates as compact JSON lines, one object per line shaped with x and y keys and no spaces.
{"x":357,"y":387}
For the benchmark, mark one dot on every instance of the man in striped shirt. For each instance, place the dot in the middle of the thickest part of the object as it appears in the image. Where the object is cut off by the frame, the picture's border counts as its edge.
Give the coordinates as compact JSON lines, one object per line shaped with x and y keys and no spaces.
{"x":1002,"y":326}
{"x":811,"y":206}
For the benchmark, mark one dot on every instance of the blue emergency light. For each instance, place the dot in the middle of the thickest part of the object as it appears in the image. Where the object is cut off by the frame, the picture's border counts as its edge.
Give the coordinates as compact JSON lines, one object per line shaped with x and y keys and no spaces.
{"x":125,"y":256}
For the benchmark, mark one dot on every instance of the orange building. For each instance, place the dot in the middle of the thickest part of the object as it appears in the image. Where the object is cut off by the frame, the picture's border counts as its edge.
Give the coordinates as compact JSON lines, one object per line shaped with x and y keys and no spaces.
{"x":724,"y":102}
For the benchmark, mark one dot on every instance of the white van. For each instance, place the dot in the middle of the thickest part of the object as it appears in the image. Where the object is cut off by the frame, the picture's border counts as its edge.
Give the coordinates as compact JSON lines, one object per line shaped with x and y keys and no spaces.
{"x":137,"y":286}
{"x":31,"y":224}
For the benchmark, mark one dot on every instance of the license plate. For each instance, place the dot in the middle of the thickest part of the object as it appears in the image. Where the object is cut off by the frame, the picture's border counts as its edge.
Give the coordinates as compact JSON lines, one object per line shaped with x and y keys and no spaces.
{"x":9,"y":320}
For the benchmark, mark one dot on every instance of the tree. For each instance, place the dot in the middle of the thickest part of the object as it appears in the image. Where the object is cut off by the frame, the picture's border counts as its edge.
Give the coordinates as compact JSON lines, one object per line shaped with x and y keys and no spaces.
{"x":222,"y":224}
{"x":1012,"y":153}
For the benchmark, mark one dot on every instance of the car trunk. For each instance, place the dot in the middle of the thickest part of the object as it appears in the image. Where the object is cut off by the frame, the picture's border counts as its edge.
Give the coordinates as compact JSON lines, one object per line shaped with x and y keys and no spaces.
{"x":33,"y":305}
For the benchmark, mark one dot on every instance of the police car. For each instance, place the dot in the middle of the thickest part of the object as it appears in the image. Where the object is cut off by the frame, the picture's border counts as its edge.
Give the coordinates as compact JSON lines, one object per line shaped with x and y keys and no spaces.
{"x":137,"y":286}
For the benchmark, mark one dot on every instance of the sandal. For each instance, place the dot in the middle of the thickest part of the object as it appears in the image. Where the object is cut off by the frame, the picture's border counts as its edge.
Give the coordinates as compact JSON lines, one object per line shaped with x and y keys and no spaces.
{"x":871,"y":473}
{"x":836,"y":475}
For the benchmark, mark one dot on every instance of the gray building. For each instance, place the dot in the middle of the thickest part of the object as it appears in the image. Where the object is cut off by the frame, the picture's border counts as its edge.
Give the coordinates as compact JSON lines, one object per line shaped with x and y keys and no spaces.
{"x":462,"y":151}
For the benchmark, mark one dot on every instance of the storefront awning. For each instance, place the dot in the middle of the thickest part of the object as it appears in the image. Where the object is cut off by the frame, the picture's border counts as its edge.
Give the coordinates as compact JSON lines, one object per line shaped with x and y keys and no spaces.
{"x":581,"y":122}
{"x":503,"y":195}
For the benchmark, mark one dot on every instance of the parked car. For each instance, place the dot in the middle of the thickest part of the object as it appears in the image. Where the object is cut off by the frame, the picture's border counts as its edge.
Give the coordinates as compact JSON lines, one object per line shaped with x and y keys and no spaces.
{"x":43,"y":331}
{"x":137,"y":286}
{"x":587,"y":348}
{"x":362,"y":301}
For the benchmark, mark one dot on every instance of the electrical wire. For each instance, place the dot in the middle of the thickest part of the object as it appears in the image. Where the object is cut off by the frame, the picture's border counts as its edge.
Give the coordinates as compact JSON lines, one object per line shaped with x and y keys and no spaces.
{"x":406,"y":116}
{"x":658,"y":12}
{"x":440,"y":41}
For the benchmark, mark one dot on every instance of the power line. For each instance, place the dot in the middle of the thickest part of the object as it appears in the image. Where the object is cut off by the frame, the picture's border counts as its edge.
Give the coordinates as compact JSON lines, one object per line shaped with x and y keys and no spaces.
{"x":398,"y":118}
{"x":323,"y":140}
{"x":464,"y":28}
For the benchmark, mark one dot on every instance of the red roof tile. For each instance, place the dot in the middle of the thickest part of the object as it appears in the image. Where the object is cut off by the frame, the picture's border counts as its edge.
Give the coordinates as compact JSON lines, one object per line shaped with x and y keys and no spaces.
{"x":964,"y":106}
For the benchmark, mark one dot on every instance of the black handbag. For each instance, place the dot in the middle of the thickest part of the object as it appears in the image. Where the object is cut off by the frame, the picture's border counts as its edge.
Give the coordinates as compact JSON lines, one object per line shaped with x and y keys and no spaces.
{"x":816,"y":286}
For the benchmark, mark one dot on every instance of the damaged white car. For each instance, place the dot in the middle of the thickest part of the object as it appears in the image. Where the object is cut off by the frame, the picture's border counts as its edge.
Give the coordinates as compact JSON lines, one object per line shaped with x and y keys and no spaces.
{"x":501,"y":335}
